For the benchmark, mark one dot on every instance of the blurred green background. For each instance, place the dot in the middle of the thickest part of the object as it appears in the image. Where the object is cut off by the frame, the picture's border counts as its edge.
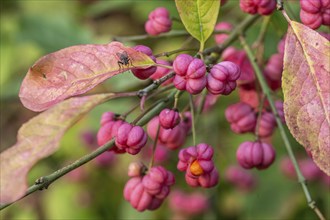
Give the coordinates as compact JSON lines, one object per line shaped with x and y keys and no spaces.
{"x":31,"y":29}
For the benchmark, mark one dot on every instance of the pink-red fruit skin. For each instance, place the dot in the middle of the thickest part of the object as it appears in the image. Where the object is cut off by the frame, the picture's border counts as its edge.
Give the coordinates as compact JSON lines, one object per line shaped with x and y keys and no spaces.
{"x":241,"y":117}
{"x":144,"y":73}
{"x":159,"y":22}
{"x":263,"y":7}
{"x":239,"y":57}
{"x":190,"y":74}
{"x":255,"y":154}
{"x":169,"y":118}
{"x":171,"y":138}
{"x":222,"y":78}
{"x":130,"y":138}
{"x":198,"y":165}
{"x":149,"y":191}
{"x":222,"y":26}
{"x":314,"y":13}
{"x":267,"y":124}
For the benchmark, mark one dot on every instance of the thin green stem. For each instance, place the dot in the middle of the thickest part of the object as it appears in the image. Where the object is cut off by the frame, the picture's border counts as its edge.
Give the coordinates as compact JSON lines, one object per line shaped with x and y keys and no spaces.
{"x":259,"y":43}
{"x":154,"y":85}
{"x":173,"y":33}
{"x":169,"y":53}
{"x":192,"y":110}
{"x":138,"y":118}
{"x":164,"y":66}
{"x":176,"y":98}
{"x":202,"y":103}
{"x":176,"y":19}
{"x":287,"y":144}
{"x":261,"y":105}
{"x":154,"y":146}
{"x":247,"y":22}
{"x":155,"y":111}
{"x":44,"y":182}
{"x":124,"y":115}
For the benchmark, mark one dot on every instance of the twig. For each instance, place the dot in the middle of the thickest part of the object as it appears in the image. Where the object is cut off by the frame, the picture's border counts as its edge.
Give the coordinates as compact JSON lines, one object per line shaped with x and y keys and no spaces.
{"x":261,"y":105}
{"x":192,"y":110}
{"x":287,"y":144}
{"x":154,"y":85}
{"x":45,"y":181}
{"x":167,"y":54}
{"x":173,"y":33}
{"x":247,"y":22}
{"x":259,"y":43}
{"x":154,"y":146}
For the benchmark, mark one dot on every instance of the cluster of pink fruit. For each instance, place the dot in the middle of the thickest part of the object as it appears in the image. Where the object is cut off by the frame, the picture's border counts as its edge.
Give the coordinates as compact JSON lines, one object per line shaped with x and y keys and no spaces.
{"x":313,"y":13}
{"x":245,"y":116}
{"x":148,"y":188}
{"x":170,"y":128}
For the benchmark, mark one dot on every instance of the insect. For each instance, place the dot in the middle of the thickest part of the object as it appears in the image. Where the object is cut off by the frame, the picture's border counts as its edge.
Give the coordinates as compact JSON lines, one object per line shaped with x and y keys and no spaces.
{"x":124,"y":60}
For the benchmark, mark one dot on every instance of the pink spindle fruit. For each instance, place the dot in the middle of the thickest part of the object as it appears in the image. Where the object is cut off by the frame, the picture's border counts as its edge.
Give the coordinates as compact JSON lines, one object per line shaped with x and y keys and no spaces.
{"x":169,"y":118}
{"x":267,"y":124}
{"x":241,"y":117}
{"x":159,"y":22}
{"x":144,"y":73}
{"x":222,"y":78}
{"x":249,"y":96}
{"x":149,"y":191}
{"x":239,"y":57}
{"x":255,"y":154}
{"x":222,"y":26}
{"x":171,"y":138}
{"x":198,"y":165}
{"x":190,"y":74}
{"x":314,"y":13}
{"x":263,"y":7}
{"x":130,"y":138}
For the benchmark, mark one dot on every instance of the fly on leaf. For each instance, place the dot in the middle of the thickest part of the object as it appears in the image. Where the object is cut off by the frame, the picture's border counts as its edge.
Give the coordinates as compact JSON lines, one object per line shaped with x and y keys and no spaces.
{"x":124,"y":60}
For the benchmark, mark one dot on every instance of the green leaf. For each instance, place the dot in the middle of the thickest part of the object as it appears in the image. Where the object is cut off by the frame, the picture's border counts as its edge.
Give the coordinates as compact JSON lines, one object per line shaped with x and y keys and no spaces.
{"x":199,"y":17}
{"x":305,"y":82}
{"x":39,"y":138}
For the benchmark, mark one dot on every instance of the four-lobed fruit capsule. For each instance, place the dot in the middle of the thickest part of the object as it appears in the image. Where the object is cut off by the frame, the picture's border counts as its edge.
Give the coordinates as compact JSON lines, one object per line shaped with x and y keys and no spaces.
{"x":255,"y":154}
{"x":190,"y":74}
{"x":222,"y":78}
{"x":159,"y":22}
{"x":197,"y":162}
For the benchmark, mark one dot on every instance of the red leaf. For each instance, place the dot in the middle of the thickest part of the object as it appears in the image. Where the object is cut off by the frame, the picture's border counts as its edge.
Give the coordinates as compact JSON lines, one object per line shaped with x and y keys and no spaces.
{"x":73,"y":71}
{"x":39,"y":138}
{"x":305,"y":82}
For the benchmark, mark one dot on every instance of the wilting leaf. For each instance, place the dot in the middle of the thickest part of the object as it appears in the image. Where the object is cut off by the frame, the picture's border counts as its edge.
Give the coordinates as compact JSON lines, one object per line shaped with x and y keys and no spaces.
{"x":37,"y":139}
{"x":306,"y":87}
{"x":199,"y":17}
{"x":73,"y":71}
